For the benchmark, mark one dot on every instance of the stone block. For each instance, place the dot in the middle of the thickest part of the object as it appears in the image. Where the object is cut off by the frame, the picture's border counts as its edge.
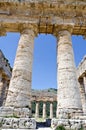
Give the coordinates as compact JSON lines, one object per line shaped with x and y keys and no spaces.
{"x":18,"y":123}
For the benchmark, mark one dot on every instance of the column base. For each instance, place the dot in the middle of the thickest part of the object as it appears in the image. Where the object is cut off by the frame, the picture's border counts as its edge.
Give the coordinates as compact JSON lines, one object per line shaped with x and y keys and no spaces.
{"x":68,"y":113}
{"x":69,"y":124}
{"x":17,"y":123}
{"x":15,"y":112}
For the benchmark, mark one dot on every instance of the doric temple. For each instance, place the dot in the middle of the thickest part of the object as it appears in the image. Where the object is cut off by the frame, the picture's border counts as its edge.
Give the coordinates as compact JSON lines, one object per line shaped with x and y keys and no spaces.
{"x":37,"y":95}
{"x":62,"y":18}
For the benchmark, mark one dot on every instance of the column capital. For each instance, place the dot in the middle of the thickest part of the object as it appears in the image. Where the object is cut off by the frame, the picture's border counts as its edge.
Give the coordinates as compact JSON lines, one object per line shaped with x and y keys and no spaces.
{"x":62,"y":29}
{"x":37,"y":102}
{"x":26,"y":29}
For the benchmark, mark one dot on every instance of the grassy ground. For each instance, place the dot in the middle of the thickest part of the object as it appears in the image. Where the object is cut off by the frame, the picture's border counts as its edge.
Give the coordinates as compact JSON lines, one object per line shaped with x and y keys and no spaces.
{"x":40,"y":120}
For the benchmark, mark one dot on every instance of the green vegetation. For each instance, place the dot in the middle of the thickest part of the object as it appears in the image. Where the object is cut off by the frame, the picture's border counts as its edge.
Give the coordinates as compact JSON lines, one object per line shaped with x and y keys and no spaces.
{"x":52,"y":90}
{"x":60,"y":127}
{"x":0,"y":124}
{"x":13,"y":116}
{"x":81,"y":128}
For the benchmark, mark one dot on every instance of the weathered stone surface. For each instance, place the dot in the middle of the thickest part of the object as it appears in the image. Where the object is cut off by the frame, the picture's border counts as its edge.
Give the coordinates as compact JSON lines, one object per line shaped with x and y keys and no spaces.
{"x":68,"y":92}
{"x":47,"y":14}
{"x":81,"y":75}
{"x":17,"y":123}
{"x":81,"y":70}
{"x":19,"y":94}
{"x":43,"y":96}
{"x":5,"y":75}
{"x":5,"y":67}
{"x":52,"y":17}
{"x":82,"y":95}
{"x":69,"y":124}
{"x":17,"y":112}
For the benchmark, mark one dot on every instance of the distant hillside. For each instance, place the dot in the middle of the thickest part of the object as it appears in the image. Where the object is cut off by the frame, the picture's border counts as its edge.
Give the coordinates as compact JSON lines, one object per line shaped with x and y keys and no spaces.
{"x":47,"y":90}
{"x":52,"y":90}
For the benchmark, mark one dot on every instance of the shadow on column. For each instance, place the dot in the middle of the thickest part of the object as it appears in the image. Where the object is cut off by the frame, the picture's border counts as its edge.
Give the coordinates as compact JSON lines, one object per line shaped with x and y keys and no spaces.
{"x":3,"y":94}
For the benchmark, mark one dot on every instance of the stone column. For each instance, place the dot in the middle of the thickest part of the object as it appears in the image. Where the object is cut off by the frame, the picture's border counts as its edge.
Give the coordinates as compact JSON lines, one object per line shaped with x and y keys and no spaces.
{"x":69,"y":104}
{"x":6,"y":87}
{"x":84,"y":79}
{"x":44,"y":110}
{"x":1,"y":90}
{"x":37,"y":110}
{"x":82,"y":94}
{"x":51,"y":110}
{"x":19,"y":94}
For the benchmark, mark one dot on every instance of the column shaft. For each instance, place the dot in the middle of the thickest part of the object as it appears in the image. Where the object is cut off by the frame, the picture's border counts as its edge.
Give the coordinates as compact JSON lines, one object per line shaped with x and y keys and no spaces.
{"x":1,"y":90}
{"x":44,"y":110}
{"x":82,"y":94}
{"x":84,"y":79}
{"x":68,"y":91}
{"x":51,"y":110}
{"x":37,"y":110}
{"x":19,"y":94}
{"x":5,"y":86}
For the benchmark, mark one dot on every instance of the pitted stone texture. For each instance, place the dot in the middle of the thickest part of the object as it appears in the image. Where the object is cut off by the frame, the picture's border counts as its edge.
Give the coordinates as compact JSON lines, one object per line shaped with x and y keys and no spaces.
{"x":82,"y":95}
{"x":18,"y":123}
{"x":6,"y":111}
{"x":43,"y":95}
{"x":68,"y":91}
{"x":51,"y":11}
{"x":69,"y":124}
{"x":5,"y":67}
{"x":19,"y":93}
{"x":81,"y":70}
{"x":84,"y":80}
{"x":17,"y":112}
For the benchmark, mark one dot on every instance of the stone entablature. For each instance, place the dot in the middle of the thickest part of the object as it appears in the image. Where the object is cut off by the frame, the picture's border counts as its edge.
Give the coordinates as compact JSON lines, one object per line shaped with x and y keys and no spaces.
{"x":5,"y":67}
{"x":46,"y":15}
{"x":43,"y":96}
{"x":81,"y":70}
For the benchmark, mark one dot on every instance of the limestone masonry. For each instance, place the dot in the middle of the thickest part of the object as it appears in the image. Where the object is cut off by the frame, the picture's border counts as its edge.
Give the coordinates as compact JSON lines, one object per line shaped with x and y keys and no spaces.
{"x":62,"y":18}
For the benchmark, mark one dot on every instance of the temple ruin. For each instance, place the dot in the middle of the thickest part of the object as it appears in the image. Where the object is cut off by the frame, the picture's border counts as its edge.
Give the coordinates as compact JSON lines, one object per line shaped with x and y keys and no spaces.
{"x":62,"y":18}
{"x":37,"y":96}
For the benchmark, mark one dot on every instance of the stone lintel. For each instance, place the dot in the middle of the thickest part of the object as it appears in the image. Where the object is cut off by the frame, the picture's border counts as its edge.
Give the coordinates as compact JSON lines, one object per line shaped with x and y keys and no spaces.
{"x":46,"y":15}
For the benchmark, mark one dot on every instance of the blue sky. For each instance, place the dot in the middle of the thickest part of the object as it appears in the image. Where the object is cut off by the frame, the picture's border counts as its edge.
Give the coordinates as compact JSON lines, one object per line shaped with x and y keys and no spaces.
{"x":44,"y":59}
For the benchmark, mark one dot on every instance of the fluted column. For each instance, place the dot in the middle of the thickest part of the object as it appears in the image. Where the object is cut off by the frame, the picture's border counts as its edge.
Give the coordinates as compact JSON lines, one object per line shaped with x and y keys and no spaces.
{"x":37,"y":110}
{"x":44,"y":110}
{"x":19,"y":94}
{"x":69,"y":104}
{"x":84,"y":80}
{"x":51,"y":110}
{"x":1,"y":90}
{"x":6,"y":87}
{"x":82,"y":94}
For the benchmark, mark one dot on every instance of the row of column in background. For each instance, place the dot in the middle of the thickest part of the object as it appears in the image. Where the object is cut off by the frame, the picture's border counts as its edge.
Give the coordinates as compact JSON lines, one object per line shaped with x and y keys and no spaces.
{"x":44,"y":110}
